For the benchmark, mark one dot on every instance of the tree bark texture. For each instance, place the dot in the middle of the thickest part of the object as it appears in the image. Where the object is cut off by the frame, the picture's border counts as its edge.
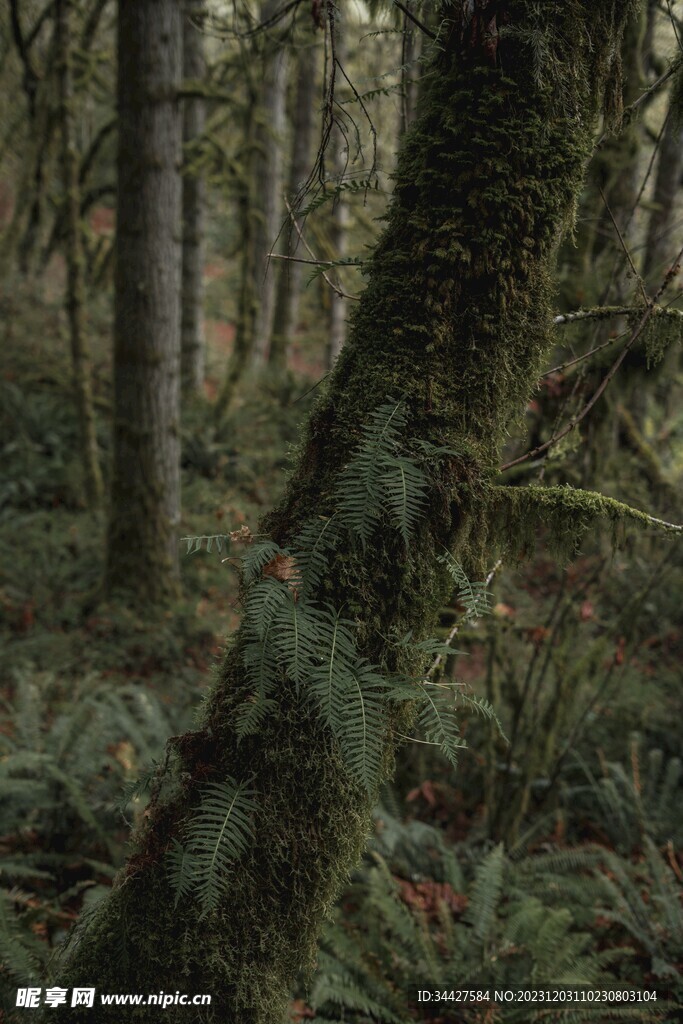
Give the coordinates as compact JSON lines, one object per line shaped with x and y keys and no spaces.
{"x":75,"y":287}
{"x":268,"y":181}
{"x":192,"y":324}
{"x":661,"y":246}
{"x":142,"y":552}
{"x":455,"y":319}
{"x":286,"y":315}
{"x":339,"y":227}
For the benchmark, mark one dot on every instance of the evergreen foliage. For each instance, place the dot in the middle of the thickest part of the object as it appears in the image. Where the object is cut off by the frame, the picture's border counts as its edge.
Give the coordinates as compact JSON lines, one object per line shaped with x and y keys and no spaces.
{"x":216,"y":836}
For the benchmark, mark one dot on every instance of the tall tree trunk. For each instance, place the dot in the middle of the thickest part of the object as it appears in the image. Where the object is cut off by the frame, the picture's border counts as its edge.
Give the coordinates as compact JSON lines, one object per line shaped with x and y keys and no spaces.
{"x":192,"y":323}
{"x":75,"y":288}
{"x":289,"y":281}
{"x":455,"y":318}
{"x":661,"y":245}
{"x":269,"y":179}
{"x":411,"y":49}
{"x":340,"y":219}
{"x":142,"y":551}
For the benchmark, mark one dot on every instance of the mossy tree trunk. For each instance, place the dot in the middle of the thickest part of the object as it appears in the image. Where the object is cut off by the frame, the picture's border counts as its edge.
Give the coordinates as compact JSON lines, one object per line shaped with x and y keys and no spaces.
{"x":142,"y":549}
{"x":455,"y":319}
{"x":192,"y":323}
{"x":75,"y":285}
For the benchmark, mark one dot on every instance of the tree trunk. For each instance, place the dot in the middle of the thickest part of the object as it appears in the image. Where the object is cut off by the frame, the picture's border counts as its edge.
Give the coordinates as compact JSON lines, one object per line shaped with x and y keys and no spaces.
{"x":142,"y":553}
{"x":411,"y":48}
{"x":192,"y":325}
{"x":661,"y":246}
{"x":75,"y":288}
{"x":289,"y":282}
{"x":269,"y":183}
{"x":455,"y":319}
{"x":340,"y":219}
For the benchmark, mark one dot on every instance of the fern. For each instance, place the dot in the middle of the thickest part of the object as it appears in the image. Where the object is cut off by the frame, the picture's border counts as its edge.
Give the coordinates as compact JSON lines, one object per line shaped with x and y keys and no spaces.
{"x":485,"y":893}
{"x":474,"y":596}
{"x":362,"y":724}
{"x":438,"y":722}
{"x":377,"y":472}
{"x":217,"y":835}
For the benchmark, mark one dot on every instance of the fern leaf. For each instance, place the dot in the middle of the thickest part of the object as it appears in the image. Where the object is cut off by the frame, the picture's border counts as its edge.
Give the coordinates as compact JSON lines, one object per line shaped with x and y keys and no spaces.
{"x":405,"y":492}
{"x":312,"y":547}
{"x":180,"y":871}
{"x":362,"y":725}
{"x":337,"y":658}
{"x":474,"y":596}
{"x":216,"y":837}
{"x":438,"y":721}
{"x":485,"y":892}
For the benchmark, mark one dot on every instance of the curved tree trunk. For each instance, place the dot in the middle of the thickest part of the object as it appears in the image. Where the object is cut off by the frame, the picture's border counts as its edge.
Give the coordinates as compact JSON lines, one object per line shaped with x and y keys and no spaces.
{"x":75,"y":287}
{"x":142,"y":552}
{"x":192,"y":323}
{"x":455,"y":318}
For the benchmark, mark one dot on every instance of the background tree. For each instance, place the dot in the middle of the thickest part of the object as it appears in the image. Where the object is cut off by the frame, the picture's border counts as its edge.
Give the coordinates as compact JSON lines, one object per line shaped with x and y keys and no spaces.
{"x":290,"y":278}
{"x":144,"y":514}
{"x":75,"y":289}
{"x":192,"y":357}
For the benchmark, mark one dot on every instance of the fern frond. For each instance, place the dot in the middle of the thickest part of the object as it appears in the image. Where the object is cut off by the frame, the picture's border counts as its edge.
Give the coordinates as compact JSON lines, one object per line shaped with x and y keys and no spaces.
{"x":485,"y":893}
{"x":217,"y":835}
{"x":331,"y":678}
{"x":298,"y":630}
{"x":404,"y":487}
{"x":438,"y":722}
{"x":362,"y":725}
{"x":482,"y":707}
{"x":257,"y":556}
{"x":311,"y":549}
{"x":474,"y":596}
{"x":180,"y":871}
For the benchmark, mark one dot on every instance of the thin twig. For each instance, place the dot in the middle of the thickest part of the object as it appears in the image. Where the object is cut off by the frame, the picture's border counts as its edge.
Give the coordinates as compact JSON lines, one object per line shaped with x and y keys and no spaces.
{"x":586,"y":355}
{"x":333,"y":286}
{"x":641,"y":283}
{"x":575,"y":420}
{"x":300,"y":259}
{"x":456,"y":628}
{"x":415,"y":21}
{"x":628,"y":111}
{"x":635,"y":334}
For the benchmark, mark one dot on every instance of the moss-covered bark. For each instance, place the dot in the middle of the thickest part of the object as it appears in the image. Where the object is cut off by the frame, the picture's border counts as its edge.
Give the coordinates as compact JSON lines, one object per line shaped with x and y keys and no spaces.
{"x":455,"y":319}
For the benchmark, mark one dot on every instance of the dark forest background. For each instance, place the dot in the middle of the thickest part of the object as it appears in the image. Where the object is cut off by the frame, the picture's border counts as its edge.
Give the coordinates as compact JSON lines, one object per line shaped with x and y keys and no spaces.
{"x":551,"y":855}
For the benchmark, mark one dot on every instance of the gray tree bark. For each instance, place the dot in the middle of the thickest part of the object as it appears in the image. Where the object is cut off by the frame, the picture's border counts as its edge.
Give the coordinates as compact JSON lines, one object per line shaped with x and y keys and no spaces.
{"x":289,"y":282}
{"x":142,"y":546}
{"x":660,"y":246}
{"x":75,"y":287}
{"x":192,"y":357}
{"x":269,"y":178}
{"x":339,"y":154}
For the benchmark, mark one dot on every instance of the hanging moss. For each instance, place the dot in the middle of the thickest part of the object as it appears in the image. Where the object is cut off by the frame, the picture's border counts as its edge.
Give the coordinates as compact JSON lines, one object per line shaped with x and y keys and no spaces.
{"x":455,"y":320}
{"x":567,"y":514}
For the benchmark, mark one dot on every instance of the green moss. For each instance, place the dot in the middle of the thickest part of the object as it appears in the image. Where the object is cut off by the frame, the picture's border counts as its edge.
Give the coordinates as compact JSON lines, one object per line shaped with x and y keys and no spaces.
{"x":515,"y":515}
